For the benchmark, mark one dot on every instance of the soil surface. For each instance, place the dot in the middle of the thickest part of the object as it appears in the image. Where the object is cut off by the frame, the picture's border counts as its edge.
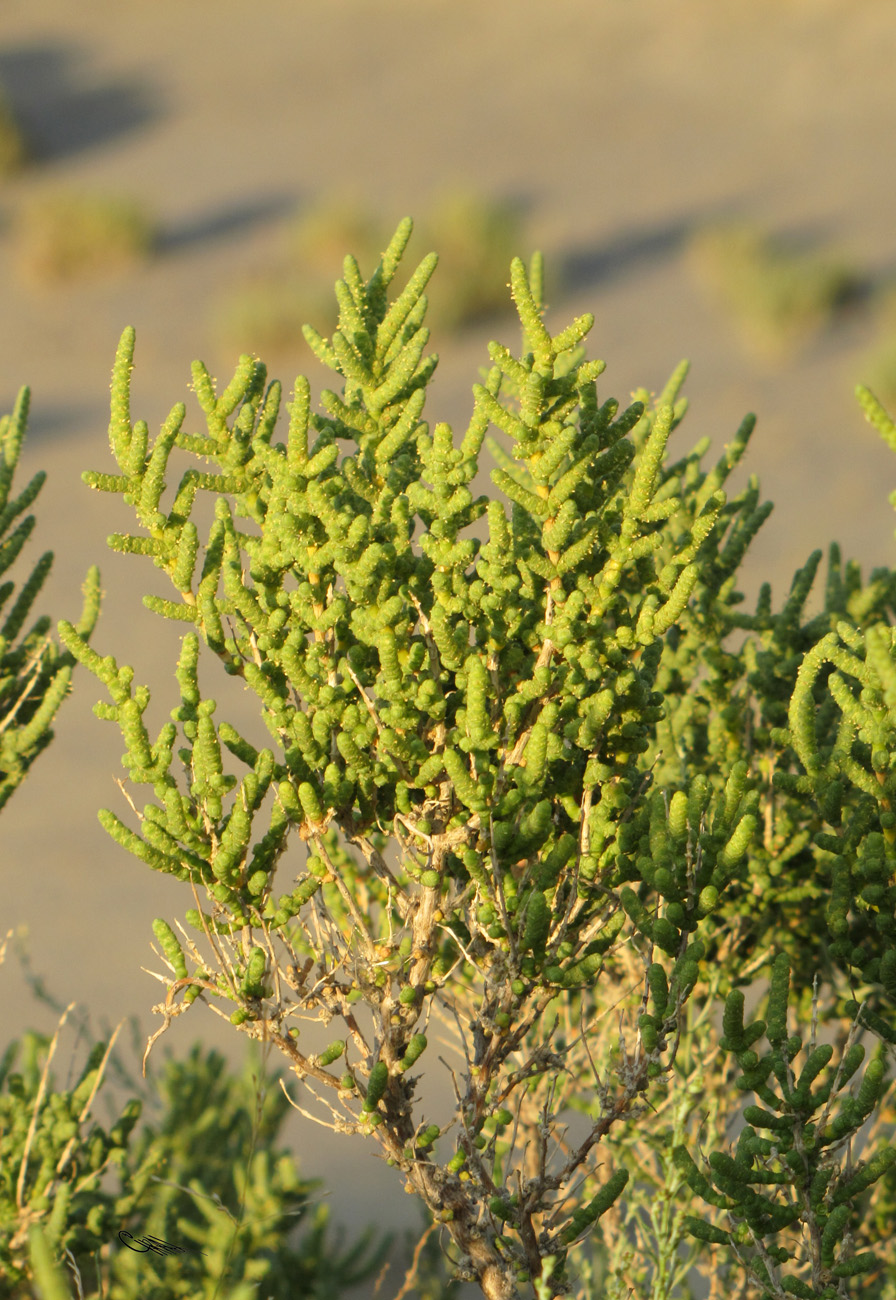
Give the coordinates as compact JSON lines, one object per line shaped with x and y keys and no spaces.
{"x":618,"y":125}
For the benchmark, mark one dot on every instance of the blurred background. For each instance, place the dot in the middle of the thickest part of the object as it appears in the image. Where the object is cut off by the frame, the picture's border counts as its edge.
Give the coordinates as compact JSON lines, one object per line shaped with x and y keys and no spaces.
{"x":712,"y":179}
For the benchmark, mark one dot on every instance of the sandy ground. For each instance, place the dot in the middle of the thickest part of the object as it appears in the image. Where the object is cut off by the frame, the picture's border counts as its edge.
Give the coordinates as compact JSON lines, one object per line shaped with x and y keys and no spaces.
{"x":619,"y":124}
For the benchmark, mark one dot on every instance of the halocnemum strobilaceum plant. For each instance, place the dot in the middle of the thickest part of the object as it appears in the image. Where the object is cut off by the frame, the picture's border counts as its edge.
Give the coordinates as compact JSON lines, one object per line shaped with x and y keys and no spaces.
{"x":587,"y":801}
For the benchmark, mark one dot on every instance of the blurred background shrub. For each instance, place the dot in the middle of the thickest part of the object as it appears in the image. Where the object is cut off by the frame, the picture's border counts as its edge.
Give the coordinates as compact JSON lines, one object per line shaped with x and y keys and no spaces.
{"x":778,"y":297}
{"x":14,"y":151}
{"x":66,"y":235}
{"x":878,"y":370}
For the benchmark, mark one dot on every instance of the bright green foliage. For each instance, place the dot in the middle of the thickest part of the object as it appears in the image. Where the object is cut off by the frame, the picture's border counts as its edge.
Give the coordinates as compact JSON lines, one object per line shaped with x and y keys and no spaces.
{"x":35,"y":675}
{"x":53,"y":1155}
{"x":230,"y":1198}
{"x":590,"y":800}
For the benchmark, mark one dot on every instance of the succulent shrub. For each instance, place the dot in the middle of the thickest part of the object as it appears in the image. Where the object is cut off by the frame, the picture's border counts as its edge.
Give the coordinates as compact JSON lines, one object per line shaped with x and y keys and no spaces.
{"x":535,"y":796}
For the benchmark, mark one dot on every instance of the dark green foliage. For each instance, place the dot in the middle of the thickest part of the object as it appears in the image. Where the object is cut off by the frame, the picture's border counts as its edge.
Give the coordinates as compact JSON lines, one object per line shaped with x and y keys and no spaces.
{"x":793,"y":1159}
